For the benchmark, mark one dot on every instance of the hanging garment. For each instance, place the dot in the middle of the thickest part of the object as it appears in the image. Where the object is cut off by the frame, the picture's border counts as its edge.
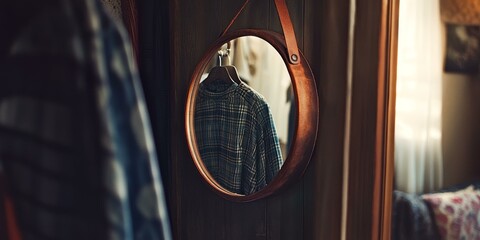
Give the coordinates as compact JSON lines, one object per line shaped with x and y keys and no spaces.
{"x":75,"y":140}
{"x":236,"y":136}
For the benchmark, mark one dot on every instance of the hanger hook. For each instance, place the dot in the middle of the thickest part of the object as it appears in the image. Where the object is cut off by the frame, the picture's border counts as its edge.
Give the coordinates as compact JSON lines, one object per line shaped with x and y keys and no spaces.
{"x":224,"y":52}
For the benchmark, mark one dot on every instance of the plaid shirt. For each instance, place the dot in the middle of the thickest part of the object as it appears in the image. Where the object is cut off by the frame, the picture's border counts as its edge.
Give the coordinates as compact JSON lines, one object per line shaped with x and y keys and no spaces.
{"x":236,"y":137}
{"x":75,"y":141}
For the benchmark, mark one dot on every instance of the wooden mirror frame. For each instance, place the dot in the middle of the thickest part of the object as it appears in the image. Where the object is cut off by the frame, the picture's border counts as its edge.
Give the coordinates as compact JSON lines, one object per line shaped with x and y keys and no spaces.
{"x":307,"y":114}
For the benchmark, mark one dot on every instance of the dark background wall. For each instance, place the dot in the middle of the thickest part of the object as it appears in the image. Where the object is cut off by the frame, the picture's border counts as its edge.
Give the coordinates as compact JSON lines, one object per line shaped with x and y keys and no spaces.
{"x":460,"y":128}
{"x":173,"y":36}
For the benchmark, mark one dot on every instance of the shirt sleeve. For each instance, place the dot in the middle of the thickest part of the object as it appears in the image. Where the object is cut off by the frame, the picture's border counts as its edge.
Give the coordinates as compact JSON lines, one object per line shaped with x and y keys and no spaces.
{"x":271,"y":152}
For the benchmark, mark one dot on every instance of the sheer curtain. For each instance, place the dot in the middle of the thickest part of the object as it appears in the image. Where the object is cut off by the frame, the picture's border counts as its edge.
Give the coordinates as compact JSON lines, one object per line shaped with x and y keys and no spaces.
{"x":418,"y":152}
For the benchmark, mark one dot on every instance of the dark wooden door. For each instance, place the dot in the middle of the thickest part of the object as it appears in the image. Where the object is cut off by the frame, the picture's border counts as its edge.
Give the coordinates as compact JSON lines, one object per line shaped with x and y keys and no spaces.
{"x":309,"y":209}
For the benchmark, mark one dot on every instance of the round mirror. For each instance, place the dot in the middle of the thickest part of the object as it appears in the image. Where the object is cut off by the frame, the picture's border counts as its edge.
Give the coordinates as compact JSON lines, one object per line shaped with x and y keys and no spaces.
{"x":251,"y":116}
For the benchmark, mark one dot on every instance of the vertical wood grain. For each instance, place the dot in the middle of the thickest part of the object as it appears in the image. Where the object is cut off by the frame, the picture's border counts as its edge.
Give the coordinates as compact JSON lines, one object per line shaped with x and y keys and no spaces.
{"x":325,"y":46}
{"x":246,"y":220}
{"x":362,"y":159}
{"x":308,"y":209}
{"x":255,"y":15}
{"x":391,"y":78}
{"x":285,"y":213}
{"x":370,"y":177}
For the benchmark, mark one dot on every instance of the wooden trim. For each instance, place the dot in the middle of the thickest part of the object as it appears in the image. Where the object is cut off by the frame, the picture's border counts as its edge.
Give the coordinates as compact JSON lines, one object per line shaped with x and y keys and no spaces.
{"x":391,"y":74}
{"x":372,"y":129}
{"x":378,"y":201}
{"x":381,"y":227}
{"x":386,"y":120}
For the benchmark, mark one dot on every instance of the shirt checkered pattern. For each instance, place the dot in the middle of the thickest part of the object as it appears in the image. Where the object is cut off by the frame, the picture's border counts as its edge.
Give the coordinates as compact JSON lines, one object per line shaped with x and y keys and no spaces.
{"x":236,"y":136}
{"x":76,"y":145}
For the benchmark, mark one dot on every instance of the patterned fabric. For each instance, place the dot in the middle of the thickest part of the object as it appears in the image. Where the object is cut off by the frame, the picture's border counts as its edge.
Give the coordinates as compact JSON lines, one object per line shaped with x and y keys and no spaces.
{"x":236,"y":136}
{"x":457,"y":214}
{"x":411,"y":218}
{"x":75,"y":141}
{"x":415,"y":217}
{"x":114,"y":8}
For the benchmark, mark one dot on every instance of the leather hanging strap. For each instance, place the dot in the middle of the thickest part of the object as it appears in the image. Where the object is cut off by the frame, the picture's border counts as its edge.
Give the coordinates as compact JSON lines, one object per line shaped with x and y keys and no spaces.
{"x":287,"y":27}
{"x":288,"y":31}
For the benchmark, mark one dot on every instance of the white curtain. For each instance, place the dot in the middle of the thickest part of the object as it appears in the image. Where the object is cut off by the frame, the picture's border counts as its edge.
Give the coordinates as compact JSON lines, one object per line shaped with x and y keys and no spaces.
{"x":262,"y":67}
{"x":418,"y":152}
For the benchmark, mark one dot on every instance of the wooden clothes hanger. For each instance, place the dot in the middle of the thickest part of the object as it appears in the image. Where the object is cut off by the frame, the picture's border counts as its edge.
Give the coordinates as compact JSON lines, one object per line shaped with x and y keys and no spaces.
{"x":232,"y":70}
{"x":219,"y":74}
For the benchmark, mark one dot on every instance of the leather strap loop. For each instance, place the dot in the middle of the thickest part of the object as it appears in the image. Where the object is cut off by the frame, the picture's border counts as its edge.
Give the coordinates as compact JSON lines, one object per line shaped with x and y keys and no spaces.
{"x":287,"y":27}
{"x":288,"y":31}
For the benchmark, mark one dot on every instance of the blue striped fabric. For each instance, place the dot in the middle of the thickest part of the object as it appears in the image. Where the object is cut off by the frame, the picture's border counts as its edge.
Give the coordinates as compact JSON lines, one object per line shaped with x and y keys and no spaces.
{"x":236,"y":136}
{"x":75,"y":140}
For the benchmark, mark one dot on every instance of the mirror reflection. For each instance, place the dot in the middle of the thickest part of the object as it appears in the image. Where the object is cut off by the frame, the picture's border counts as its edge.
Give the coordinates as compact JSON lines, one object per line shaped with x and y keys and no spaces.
{"x":244,"y":115}
{"x":437,"y":134}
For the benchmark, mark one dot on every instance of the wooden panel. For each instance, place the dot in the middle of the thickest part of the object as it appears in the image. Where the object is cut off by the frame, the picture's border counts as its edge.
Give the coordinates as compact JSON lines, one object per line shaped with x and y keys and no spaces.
{"x":370,"y":175}
{"x":286,"y":214}
{"x":309,"y":209}
{"x":201,"y":213}
{"x":325,"y":44}
{"x":362,"y":159}
{"x":245,"y":220}
{"x":253,"y":16}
